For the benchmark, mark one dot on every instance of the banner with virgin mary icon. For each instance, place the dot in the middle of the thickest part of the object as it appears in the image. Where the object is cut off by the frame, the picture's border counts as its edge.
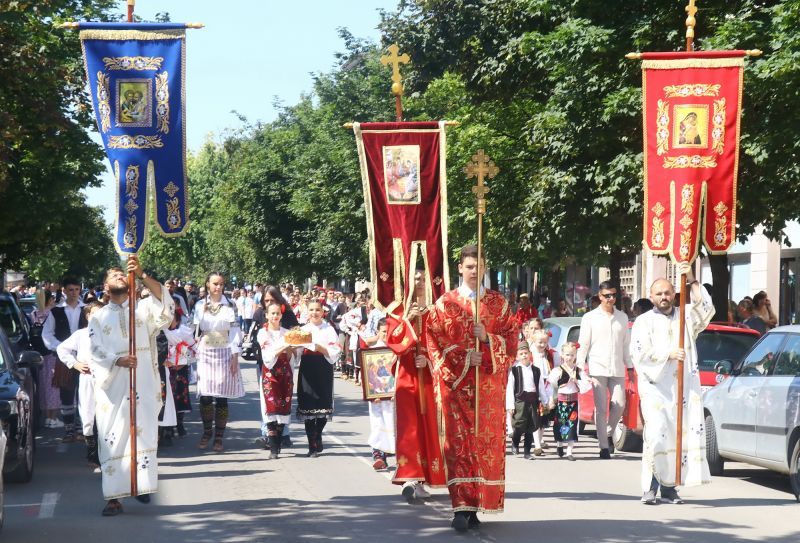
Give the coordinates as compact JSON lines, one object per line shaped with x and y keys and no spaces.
{"x":692,"y":106}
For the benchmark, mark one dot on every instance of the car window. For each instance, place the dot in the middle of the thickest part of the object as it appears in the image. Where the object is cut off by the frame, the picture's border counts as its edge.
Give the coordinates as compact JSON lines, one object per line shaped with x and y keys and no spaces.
{"x":573,"y":334}
{"x":788,"y":362}
{"x":555,"y":333}
{"x":761,"y":359}
{"x":713,"y":346}
{"x":8,"y":319}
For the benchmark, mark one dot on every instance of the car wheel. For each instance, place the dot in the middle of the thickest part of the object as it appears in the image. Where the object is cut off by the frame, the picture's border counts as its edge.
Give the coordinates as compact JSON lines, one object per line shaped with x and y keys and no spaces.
{"x":23,"y":472}
{"x":626,"y":439}
{"x":716,"y":464}
{"x":794,"y":470}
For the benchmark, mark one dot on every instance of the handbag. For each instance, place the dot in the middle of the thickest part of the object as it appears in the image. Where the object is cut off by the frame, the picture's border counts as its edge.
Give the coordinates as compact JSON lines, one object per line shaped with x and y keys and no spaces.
{"x":632,"y":416}
{"x":63,"y":377}
{"x":251,"y":350}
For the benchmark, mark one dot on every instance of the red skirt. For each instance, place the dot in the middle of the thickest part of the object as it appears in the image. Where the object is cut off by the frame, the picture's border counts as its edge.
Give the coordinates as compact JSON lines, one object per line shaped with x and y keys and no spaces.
{"x":276,"y":386}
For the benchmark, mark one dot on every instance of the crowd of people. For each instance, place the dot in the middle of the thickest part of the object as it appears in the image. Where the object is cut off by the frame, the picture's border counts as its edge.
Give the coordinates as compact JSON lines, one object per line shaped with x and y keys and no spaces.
{"x":300,"y":341}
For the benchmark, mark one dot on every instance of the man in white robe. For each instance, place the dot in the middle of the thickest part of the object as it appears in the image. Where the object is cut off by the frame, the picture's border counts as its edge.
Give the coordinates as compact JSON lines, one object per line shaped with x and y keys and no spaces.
{"x":111,"y":365}
{"x":655,"y":352}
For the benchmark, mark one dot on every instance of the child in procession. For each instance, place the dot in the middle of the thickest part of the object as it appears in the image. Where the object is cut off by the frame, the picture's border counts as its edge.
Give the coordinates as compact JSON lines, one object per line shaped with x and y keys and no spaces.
{"x":523,"y":401}
{"x":381,"y":414}
{"x":543,"y":360}
{"x":569,"y":381}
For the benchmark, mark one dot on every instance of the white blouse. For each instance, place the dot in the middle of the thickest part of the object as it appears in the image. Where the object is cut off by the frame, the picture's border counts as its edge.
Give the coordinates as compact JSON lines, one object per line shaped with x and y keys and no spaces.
{"x":271,"y":342}
{"x":215,"y":327}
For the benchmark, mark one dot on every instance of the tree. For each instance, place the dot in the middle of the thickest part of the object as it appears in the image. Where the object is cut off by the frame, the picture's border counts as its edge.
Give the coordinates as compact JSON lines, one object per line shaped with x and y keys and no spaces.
{"x":46,"y":155}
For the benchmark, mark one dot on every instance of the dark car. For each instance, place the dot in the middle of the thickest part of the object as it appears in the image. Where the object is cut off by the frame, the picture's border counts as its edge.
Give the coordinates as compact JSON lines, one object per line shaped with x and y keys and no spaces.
{"x":17,"y":399}
{"x":15,"y":324}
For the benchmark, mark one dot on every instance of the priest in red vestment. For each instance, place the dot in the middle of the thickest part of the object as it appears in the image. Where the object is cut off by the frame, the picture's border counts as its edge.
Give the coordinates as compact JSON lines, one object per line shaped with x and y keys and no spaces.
{"x":475,"y":464}
{"x":419,"y":451}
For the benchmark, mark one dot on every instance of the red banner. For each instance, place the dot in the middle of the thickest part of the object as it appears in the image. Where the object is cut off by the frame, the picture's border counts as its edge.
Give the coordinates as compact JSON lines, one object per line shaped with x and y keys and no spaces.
{"x":692,"y":104}
{"x":405,"y":196}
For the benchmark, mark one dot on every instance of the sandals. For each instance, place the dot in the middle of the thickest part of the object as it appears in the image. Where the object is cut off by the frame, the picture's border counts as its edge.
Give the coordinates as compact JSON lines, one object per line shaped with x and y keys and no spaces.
{"x":112,"y":508}
{"x":204,"y":440}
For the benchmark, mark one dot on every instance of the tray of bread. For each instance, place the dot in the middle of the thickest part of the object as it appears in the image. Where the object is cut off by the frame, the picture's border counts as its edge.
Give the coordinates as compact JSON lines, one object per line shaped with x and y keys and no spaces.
{"x":296,"y":336}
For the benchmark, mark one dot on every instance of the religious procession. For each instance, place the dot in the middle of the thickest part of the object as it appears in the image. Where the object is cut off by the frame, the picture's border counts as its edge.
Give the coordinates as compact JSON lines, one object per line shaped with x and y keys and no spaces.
{"x":510,"y":271}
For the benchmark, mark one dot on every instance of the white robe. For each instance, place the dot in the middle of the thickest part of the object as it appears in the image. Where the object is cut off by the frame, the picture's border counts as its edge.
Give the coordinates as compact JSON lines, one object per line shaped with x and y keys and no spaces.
{"x":653,"y":338}
{"x":109,"y":332}
{"x":78,"y":348}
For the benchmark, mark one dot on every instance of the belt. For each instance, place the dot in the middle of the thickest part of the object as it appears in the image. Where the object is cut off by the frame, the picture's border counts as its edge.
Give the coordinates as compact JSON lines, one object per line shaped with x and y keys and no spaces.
{"x":216,"y":339}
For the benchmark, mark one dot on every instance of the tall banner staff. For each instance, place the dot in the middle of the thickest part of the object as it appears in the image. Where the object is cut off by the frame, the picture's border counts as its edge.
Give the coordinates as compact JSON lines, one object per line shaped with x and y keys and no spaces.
{"x":480,"y":167}
{"x":692,"y":104}
{"x":136,"y":76}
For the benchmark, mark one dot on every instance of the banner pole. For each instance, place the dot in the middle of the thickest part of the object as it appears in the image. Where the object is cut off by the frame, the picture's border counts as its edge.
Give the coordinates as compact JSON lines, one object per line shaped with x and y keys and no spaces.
{"x":395,"y":60}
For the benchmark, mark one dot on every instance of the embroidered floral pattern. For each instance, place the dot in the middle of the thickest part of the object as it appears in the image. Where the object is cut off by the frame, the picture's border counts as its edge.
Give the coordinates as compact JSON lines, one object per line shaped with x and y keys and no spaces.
{"x":662,"y":130}
{"x":102,"y":102}
{"x":718,"y":130}
{"x":694,"y":161}
{"x":162,"y":102}
{"x":691,"y":89}
{"x":135,"y":142}
{"x":133,"y":63}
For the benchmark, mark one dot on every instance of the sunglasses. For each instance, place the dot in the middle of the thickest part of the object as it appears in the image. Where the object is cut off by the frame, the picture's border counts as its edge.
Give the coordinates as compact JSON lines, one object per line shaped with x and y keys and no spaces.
{"x":609,"y":296}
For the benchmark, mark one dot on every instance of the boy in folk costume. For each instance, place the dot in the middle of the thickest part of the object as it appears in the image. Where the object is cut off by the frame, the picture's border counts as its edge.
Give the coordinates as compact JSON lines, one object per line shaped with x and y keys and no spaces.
{"x":542,"y":359}
{"x":475,"y":460}
{"x":525,"y":381}
{"x":76,"y":352}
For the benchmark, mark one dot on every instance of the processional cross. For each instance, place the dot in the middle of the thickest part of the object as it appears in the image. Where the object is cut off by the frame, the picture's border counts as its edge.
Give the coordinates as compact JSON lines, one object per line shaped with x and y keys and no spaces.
{"x":395,"y":60}
{"x":480,"y":167}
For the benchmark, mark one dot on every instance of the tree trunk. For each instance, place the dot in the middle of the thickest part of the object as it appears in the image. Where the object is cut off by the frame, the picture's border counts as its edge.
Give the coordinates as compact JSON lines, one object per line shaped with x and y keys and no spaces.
{"x":493,"y":284}
{"x":614,"y":264}
{"x":554,"y":287}
{"x":721,"y":277}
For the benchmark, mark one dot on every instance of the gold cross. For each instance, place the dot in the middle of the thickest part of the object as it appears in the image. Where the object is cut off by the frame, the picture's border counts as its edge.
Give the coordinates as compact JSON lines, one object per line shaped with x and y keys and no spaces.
{"x":691,"y":9}
{"x":480,"y":167}
{"x":395,"y":60}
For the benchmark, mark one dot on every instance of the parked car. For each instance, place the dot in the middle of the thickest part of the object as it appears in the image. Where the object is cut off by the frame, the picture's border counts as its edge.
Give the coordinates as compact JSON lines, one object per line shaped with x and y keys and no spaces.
{"x":3,"y":441}
{"x":17,"y":399}
{"x":753,"y":416}
{"x":562,"y":330}
{"x":15,"y":324}
{"x":719,"y":341}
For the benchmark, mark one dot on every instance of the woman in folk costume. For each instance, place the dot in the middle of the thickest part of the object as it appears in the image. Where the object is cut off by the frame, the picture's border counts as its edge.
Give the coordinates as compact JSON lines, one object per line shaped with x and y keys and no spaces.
{"x":315,"y":379}
{"x":277,"y":379}
{"x":218,"y":376}
{"x":49,"y":395}
{"x":181,"y":356}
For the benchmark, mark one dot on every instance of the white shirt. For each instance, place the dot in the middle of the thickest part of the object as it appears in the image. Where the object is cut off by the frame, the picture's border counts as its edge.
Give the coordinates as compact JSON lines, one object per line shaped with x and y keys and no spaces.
{"x":76,"y":348}
{"x":527,"y":384}
{"x":604,"y":343}
{"x":49,"y":328}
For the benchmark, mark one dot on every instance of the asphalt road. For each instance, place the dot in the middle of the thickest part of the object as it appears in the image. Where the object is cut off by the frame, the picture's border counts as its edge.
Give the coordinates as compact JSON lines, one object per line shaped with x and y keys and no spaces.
{"x":239,"y":495}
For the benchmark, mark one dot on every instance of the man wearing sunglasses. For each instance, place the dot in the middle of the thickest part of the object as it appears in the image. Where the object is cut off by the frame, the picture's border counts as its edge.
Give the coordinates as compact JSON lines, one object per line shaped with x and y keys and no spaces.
{"x":604,"y":345}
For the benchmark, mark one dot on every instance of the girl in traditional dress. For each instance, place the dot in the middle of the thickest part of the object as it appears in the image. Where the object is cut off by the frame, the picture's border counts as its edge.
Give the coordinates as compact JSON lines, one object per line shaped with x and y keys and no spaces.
{"x":315,"y":379}
{"x":566,"y":378}
{"x":49,"y":396}
{"x":542,"y":359}
{"x":218,"y":374}
{"x":276,"y":379}
{"x":181,"y":355}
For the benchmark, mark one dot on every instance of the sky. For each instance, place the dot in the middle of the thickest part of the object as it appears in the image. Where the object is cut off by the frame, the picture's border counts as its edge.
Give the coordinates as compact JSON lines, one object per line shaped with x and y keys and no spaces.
{"x":250,"y":53}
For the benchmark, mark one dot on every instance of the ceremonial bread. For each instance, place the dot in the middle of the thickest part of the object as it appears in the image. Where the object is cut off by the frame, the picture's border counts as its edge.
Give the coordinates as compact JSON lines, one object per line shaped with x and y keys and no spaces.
{"x":297,"y":337}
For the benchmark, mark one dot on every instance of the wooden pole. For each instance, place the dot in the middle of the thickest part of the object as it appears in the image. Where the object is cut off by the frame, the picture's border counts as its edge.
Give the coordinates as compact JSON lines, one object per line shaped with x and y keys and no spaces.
{"x":691,"y":10}
{"x":420,"y":372}
{"x":477,"y":317}
{"x":398,"y":107}
{"x":132,"y":350}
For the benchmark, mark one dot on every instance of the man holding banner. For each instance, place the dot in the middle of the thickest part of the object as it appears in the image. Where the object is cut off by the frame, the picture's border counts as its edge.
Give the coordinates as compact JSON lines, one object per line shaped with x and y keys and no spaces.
{"x":108,"y":330}
{"x":656,"y":353}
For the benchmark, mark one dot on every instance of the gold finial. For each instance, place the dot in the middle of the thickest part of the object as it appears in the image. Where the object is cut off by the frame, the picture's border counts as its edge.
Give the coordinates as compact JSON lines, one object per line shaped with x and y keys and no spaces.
{"x":480,"y":167}
{"x":395,"y":60}
{"x":691,"y":10}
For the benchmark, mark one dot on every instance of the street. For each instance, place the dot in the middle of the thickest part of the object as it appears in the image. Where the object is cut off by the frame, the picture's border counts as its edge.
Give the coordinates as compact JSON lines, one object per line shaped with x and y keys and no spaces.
{"x":239,"y":495}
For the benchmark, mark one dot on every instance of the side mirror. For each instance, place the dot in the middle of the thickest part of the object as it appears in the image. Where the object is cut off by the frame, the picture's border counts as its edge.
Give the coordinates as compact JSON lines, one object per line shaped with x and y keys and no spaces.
{"x":29,"y":359}
{"x":6,"y":409}
{"x":723,"y":367}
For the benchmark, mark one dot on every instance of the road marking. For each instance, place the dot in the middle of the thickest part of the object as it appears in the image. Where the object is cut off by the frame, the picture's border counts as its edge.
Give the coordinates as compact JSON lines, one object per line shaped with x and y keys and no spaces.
{"x":443,"y":511}
{"x":48,"y":507}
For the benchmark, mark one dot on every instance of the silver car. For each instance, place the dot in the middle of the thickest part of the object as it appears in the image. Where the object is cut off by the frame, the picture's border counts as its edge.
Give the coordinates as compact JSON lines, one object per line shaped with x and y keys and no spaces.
{"x":754,"y":415}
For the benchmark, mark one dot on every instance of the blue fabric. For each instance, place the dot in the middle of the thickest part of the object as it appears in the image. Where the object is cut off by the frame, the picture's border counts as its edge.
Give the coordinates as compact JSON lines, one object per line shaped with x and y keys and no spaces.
{"x":137,"y":92}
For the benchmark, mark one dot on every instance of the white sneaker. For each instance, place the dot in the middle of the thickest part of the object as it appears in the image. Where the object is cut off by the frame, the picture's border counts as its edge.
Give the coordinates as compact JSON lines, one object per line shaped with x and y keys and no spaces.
{"x":55,"y":423}
{"x":47,"y":423}
{"x":420,"y":493}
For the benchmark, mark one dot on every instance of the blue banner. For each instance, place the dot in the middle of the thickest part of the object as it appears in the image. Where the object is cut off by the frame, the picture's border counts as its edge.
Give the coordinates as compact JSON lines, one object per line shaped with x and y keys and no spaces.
{"x":136,"y":75}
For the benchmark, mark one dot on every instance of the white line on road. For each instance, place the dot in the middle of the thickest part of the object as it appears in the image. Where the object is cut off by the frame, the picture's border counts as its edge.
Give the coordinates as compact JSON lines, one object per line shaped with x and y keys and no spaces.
{"x":48,"y":507}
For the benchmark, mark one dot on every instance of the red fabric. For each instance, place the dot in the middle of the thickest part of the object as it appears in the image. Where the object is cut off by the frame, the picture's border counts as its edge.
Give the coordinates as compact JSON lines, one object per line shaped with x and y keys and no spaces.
{"x":475,"y":464}
{"x":524,"y":315}
{"x":419,"y":451}
{"x":406,"y":222}
{"x":691,"y":137}
{"x":632,"y":416}
{"x":277,"y":385}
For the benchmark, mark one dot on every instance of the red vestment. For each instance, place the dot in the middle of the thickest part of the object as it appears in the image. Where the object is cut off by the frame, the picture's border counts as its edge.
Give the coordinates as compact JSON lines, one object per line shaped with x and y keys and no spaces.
{"x":524,"y":315}
{"x":475,"y":464}
{"x":419,"y":450}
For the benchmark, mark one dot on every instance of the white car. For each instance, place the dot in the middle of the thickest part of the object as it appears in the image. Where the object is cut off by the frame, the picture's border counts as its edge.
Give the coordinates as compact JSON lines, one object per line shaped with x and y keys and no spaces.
{"x":754,"y":415}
